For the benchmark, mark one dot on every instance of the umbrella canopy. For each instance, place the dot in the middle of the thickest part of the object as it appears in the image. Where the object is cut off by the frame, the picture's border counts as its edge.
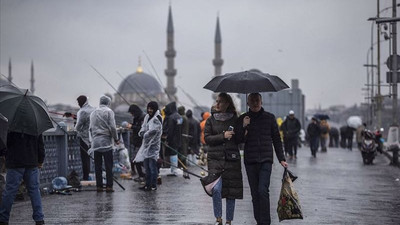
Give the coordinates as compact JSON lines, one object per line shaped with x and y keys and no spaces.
{"x":26,"y":112}
{"x":3,"y":131}
{"x":354,"y":121}
{"x":321,"y":116}
{"x":246,"y":82}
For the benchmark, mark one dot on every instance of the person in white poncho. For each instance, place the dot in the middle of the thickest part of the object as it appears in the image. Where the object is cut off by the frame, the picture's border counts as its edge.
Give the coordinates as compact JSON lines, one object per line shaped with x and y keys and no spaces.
{"x":103,"y":135}
{"x":149,"y":151}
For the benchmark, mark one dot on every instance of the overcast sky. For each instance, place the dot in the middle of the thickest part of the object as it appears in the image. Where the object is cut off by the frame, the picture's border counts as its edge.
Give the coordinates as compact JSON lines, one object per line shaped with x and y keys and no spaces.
{"x":323,"y":43}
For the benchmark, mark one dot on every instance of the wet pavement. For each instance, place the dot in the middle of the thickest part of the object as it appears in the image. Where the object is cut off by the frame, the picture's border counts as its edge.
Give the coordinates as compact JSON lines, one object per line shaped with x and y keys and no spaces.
{"x":334,"y":188}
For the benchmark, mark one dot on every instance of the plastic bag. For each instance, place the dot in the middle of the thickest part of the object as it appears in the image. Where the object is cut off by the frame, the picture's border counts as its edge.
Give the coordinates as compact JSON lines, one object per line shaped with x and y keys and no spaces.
{"x":288,"y":204}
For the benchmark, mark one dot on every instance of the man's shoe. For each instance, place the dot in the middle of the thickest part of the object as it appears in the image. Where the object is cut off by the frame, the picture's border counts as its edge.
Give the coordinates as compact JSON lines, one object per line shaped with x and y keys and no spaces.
{"x":144,"y":188}
{"x":40,"y":222}
{"x":3,"y":223}
{"x":154,"y":188}
{"x":109,"y":189}
{"x":99,"y":189}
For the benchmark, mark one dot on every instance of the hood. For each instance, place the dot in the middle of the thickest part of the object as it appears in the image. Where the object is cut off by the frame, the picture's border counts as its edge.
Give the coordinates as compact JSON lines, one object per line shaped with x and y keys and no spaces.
{"x":181,"y":110}
{"x":189,"y":113}
{"x":206,"y":115}
{"x":105,"y":100}
{"x":170,"y":108}
{"x":137,"y":112}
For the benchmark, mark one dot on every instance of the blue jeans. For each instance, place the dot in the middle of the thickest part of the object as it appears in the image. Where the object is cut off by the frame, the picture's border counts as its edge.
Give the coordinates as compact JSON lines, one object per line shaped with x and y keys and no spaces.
{"x":151,"y":172}
{"x":14,"y":177}
{"x":259,"y":175}
{"x":217,"y":203}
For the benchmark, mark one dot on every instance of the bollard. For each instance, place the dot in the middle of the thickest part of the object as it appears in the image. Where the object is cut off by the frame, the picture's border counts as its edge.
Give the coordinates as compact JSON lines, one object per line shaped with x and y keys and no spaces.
{"x":395,"y":160}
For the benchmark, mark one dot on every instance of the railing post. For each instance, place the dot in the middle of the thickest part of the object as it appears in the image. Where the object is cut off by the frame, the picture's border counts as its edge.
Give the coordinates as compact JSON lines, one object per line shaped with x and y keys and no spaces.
{"x":62,"y":148}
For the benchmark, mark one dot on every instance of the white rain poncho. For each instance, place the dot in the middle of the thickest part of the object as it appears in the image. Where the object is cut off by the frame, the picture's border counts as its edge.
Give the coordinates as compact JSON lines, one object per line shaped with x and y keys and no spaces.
{"x":102,"y":127}
{"x":151,"y":132}
{"x":83,"y":122}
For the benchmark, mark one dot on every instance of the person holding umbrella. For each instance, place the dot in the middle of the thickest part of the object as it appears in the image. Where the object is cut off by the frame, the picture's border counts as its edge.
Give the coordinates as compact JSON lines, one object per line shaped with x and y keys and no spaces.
{"x":27,"y":119}
{"x":259,"y":131}
{"x":224,"y":164}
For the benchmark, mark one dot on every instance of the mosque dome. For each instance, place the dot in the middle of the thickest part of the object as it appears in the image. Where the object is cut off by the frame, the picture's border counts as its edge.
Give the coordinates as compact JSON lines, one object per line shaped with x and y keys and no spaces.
{"x":140,"y":82}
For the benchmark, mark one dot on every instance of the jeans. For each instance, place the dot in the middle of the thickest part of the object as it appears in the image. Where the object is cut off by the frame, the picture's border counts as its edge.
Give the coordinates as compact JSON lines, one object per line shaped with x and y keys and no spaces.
{"x":259,"y":175}
{"x":151,"y":172}
{"x":217,"y":203}
{"x":108,"y":162}
{"x":14,"y":177}
{"x":85,"y":158}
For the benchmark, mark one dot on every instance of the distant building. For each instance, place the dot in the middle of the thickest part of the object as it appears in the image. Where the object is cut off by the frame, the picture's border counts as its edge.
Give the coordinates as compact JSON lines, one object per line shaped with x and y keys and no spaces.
{"x":281,"y":102}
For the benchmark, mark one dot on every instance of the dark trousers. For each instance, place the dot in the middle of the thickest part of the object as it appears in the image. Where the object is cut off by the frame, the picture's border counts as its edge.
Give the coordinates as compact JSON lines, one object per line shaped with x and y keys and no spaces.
{"x":85,"y":158}
{"x":292,"y":146}
{"x":108,"y":162}
{"x":259,"y":175}
{"x":314,"y":145}
{"x":151,"y":172}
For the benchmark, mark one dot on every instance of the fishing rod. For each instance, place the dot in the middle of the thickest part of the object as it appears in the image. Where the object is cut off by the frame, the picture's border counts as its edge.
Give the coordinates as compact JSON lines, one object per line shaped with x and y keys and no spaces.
{"x":189,"y":96}
{"x":184,"y":170}
{"x":76,"y":142}
{"x":176,"y":151}
{"x":109,"y":83}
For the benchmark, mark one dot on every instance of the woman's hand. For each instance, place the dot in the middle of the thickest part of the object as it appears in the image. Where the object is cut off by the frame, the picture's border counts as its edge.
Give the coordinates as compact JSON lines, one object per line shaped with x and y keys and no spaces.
{"x":228,"y":134}
{"x":246,"y":121}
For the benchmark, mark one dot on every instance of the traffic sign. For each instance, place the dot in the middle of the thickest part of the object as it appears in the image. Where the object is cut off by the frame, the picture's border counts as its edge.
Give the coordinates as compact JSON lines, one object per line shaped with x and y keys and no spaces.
{"x":389,"y":62}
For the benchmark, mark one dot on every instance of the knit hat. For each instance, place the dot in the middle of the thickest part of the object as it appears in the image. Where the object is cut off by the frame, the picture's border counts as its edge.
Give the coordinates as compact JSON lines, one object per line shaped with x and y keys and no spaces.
{"x":81,"y":100}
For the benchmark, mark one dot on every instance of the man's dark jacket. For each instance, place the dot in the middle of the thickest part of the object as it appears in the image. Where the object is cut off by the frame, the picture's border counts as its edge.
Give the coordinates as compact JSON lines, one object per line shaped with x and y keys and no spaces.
{"x":172,"y":129}
{"x":24,"y":151}
{"x":263,"y":133}
{"x":136,"y":125}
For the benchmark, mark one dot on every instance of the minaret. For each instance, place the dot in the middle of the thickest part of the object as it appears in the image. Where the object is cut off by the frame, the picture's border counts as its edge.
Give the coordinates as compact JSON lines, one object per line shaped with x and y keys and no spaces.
{"x":217,"y":61}
{"x":9,"y":71}
{"x":170,"y":72}
{"x":32,"y":79}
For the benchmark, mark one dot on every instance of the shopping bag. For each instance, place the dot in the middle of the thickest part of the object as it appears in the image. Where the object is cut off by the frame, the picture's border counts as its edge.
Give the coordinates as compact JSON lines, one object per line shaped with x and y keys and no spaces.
{"x":288,"y":204}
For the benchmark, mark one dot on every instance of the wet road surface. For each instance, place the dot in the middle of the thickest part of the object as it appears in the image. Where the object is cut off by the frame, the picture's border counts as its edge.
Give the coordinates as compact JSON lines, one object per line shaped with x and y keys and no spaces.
{"x":334,"y":188}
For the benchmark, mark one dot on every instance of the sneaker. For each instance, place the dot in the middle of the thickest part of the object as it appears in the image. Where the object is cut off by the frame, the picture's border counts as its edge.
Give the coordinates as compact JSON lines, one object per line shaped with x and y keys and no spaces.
{"x":154,"y":188}
{"x":144,"y":188}
{"x":218,"y":223}
{"x":109,"y":189}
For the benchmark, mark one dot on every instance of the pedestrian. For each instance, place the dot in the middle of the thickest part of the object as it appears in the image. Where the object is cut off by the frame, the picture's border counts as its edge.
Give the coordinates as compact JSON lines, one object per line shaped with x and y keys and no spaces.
{"x":334,"y":137}
{"x":291,"y":130}
{"x":259,"y":131}
{"x":324,"y":137}
{"x":194,"y":137}
{"x":204,"y":147}
{"x":24,"y":157}
{"x":343,"y":133}
{"x":172,"y":135}
{"x":224,"y":164}
{"x":359,"y":134}
{"x":82,"y":130}
{"x":349,"y":137}
{"x":313,"y":134}
{"x":103,"y":135}
{"x":136,"y":140}
{"x":151,"y":132}
{"x":183,"y":150}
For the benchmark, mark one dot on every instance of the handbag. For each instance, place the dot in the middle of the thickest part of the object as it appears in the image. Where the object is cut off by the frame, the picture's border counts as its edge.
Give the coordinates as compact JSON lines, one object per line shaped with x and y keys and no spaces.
{"x":288,"y":204}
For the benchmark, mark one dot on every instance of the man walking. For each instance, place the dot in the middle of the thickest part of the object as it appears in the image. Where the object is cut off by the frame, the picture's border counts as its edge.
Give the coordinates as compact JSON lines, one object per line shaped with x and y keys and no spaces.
{"x":24,"y":157}
{"x":104,"y":135}
{"x":313,"y":134}
{"x":259,"y":131}
{"x":82,"y":129}
{"x":291,"y":129}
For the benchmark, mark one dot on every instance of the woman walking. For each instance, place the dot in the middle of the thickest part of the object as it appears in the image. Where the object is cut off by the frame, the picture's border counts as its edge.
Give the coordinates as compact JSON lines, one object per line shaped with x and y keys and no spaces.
{"x":224,"y":163}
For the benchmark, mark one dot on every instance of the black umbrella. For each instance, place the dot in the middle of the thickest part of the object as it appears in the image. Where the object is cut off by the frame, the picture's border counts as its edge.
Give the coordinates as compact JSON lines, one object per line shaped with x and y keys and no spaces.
{"x":246,"y":82}
{"x":3,"y":131}
{"x":321,"y":116}
{"x":26,"y":112}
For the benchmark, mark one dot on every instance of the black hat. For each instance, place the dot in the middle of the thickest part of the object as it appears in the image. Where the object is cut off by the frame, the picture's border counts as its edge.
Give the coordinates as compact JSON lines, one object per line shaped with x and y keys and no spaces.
{"x":81,"y":100}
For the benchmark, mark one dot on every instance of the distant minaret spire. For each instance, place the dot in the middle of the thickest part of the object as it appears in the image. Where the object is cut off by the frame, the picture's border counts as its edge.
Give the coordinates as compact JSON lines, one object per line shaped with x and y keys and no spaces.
{"x":9,"y":71}
{"x":32,"y":78}
{"x":139,"y":68}
{"x":217,"y":61}
{"x":170,"y":53}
